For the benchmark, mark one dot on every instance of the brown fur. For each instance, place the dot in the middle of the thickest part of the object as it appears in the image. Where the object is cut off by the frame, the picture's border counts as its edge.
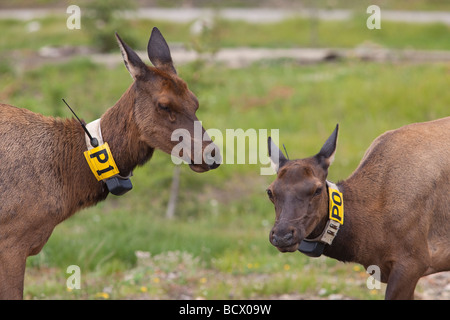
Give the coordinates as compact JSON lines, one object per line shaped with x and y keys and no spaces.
{"x":396,"y":203}
{"x":44,"y":178}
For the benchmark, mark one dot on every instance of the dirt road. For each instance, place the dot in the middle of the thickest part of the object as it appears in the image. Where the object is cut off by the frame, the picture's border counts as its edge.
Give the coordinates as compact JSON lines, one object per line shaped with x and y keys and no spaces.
{"x":254,"y":15}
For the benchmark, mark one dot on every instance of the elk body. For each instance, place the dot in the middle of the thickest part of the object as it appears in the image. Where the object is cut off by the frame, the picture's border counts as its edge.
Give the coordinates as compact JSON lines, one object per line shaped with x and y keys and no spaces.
{"x":396,"y":204}
{"x":44,"y":177}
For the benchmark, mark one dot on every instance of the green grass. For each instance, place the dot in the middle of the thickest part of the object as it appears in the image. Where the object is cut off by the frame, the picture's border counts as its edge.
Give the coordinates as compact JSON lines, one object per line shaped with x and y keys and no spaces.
{"x":223,"y":217}
{"x":291,"y":33}
{"x":217,"y":246}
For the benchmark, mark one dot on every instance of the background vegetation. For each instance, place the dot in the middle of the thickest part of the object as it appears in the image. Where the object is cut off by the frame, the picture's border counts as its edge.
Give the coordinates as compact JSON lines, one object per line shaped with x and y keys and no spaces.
{"x":217,"y":246}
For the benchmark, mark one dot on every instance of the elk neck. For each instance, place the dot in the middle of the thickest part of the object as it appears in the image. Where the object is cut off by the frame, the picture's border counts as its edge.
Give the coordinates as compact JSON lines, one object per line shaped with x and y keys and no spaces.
{"x":119,"y":129}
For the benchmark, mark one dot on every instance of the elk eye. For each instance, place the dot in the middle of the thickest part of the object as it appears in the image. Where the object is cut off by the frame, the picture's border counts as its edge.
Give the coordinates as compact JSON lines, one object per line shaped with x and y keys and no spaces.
{"x":317,"y":192}
{"x":163,"y":107}
{"x":269,"y":193}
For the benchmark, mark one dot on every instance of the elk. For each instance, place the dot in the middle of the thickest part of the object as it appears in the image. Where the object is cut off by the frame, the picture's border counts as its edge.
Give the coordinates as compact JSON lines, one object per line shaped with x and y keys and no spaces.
{"x":44,"y":176}
{"x":396,"y":205}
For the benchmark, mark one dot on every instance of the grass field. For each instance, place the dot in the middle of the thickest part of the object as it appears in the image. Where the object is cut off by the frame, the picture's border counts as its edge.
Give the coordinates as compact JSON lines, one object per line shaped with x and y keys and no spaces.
{"x":217,"y":246}
{"x":296,"y":32}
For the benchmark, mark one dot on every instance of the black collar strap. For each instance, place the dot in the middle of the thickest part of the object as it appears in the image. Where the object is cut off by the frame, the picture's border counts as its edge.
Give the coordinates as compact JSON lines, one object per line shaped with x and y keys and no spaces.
{"x":314,"y":247}
{"x":102,"y":164}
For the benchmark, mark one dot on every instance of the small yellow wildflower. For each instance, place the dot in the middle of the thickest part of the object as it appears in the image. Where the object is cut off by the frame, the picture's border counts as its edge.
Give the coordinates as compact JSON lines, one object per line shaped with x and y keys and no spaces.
{"x":144,"y":289}
{"x":103,"y":295}
{"x":286,"y":267}
{"x":156,"y":280}
{"x":203,"y":280}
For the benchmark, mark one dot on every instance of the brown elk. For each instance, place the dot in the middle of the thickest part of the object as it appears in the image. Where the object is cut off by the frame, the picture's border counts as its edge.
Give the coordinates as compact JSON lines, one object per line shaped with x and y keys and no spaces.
{"x":44,"y":176}
{"x":396,"y":205}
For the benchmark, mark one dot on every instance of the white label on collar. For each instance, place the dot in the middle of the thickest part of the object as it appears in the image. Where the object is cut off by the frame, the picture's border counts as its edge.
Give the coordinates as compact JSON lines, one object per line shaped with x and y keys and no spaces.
{"x":95,"y":131}
{"x":330,"y":232}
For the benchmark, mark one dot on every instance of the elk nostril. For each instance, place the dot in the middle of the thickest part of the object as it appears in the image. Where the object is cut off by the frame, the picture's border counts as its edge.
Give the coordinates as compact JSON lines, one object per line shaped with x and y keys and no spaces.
{"x":212,"y":160}
{"x":274,"y":238}
{"x":288,"y":236}
{"x":214,"y":165}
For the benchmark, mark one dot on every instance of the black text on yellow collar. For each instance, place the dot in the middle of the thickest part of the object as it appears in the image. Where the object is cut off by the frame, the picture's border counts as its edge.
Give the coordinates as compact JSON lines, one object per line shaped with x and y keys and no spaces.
{"x":101,"y":162}
{"x":314,"y":247}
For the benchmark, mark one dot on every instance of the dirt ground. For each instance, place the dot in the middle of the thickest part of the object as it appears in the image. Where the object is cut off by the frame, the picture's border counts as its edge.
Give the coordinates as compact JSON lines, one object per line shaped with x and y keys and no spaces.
{"x":434,"y":287}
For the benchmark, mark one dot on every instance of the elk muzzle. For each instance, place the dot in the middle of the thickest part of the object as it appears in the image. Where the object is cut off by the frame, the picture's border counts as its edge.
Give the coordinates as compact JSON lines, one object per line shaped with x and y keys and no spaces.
{"x":196,"y":148}
{"x":285,"y":238}
{"x":210,"y":157}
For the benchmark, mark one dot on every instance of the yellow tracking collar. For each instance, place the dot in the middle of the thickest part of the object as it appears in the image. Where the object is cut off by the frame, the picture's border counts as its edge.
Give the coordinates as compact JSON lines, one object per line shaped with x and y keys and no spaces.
{"x":314,"y":247}
{"x":101,"y":162}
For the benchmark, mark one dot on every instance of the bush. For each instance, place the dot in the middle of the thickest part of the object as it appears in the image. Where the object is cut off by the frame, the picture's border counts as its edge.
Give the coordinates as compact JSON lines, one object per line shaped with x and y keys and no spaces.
{"x":103,"y":18}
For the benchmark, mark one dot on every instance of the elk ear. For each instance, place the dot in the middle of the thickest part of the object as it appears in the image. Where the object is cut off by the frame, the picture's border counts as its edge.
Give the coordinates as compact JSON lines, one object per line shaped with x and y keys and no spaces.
{"x":159,"y":52}
{"x":277,"y":158}
{"x":325,"y":157}
{"x":132,"y":61}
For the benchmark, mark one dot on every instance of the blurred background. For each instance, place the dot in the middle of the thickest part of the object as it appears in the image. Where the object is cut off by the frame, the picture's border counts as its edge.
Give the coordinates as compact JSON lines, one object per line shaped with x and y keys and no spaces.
{"x":297,"y":66}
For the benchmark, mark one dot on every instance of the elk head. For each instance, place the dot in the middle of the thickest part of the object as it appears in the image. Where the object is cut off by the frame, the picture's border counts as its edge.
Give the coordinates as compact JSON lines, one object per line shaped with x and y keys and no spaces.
{"x":299,"y":194}
{"x":163,"y":103}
